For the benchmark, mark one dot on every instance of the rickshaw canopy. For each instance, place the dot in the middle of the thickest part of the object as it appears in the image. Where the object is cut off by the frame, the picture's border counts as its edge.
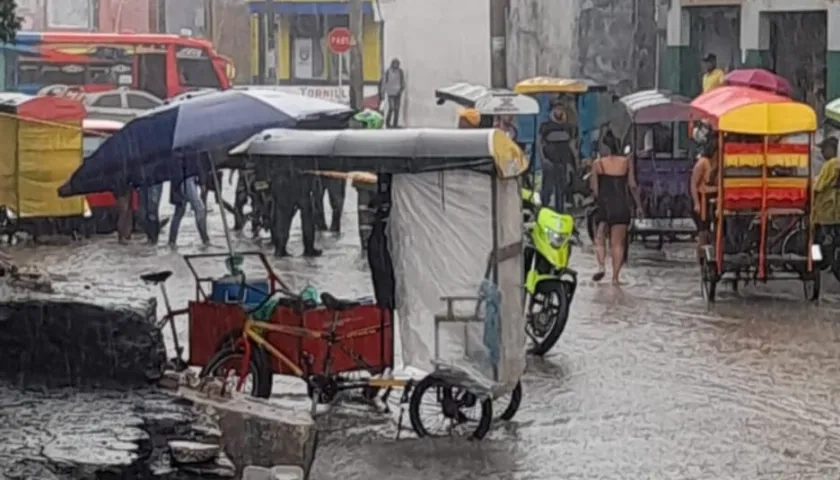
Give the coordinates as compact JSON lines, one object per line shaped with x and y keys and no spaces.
{"x":487,"y":101}
{"x":654,"y":106}
{"x":753,"y":112}
{"x":556,"y":85}
{"x":390,"y":151}
{"x":832,"y":110}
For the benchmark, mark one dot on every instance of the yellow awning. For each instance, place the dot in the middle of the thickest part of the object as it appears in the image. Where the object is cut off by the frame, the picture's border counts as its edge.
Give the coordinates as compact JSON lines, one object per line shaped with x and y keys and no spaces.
{"x":769,"y":119}
{"x":753,"y":112}
{"x":551,"y":85}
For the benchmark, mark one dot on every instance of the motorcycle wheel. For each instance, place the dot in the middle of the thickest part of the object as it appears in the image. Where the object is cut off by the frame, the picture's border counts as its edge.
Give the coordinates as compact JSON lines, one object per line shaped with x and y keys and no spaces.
{"x":558,"y":293}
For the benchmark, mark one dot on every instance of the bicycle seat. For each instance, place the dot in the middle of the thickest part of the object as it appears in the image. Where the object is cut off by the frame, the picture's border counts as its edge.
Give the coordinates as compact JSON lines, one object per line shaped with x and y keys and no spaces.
{"x":157,"y":277}
{"x":336,"y":304}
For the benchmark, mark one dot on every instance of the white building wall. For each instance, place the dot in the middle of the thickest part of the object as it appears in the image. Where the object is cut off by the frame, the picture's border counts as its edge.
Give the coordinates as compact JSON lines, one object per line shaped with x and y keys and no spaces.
{"x":438,"y":42}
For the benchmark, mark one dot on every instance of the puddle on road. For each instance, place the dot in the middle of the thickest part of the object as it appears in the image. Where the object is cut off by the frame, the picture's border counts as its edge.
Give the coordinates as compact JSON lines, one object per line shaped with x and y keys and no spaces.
{"x":645,"y":383}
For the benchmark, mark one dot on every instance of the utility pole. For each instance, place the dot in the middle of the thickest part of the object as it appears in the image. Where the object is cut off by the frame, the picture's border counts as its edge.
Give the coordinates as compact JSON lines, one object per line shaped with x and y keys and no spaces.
{"x":498,"y":43}
{"x":270,"y":75}
{"x":357,"y":80}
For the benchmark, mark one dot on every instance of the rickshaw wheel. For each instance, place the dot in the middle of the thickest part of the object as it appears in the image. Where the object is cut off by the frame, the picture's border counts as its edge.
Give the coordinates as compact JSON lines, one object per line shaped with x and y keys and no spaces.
{"x":228,"y":360}
{"x":513,"y":405}
{"x":451,"y":404}
{"x":708,"y":282}
{"x":811,"y":286}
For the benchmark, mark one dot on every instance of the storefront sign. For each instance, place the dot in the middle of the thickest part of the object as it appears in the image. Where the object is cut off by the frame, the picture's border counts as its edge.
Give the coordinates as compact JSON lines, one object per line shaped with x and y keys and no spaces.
{"x":331,"y":93}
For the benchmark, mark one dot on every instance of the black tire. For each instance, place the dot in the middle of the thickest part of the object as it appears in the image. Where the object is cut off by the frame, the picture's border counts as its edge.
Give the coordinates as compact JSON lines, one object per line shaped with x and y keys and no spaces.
{"x":812,"y":285}
{"x":709,"y":282}
{"x":547,"y":289}
{"x":416,"y":400}
{"x":513,"y":405}
{"x":258,"y":366}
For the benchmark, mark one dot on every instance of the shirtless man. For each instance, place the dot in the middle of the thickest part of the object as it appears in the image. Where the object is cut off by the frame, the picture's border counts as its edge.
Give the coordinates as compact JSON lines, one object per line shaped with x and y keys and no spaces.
{"x":703,"y":184}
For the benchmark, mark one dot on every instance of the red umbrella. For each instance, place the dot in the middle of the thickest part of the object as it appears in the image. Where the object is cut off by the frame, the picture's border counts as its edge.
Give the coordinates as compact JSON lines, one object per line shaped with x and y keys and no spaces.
{"x":759,"y":79}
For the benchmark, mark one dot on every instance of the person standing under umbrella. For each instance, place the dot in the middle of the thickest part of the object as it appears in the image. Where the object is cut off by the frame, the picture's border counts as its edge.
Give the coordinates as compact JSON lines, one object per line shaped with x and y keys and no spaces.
{"x":187,"y":192}
{"x":290,"y":192}
{"x":712,"y":75}
{"x":148,"y":211}
{"x":125,"y":223}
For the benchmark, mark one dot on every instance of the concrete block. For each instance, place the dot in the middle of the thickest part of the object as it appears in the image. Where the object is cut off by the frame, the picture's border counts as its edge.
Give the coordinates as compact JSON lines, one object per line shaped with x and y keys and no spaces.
{"x":287,"y":472}
{"x":61,"y":342}
{"x":186,"y":452}
{"x":256,"y":432}
{"x":253,"y":472}
{"x":279,"y":472}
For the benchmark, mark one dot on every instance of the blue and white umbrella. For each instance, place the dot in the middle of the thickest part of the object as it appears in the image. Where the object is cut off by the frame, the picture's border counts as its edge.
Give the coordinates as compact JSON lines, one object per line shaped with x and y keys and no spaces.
{"x":172,"y":142}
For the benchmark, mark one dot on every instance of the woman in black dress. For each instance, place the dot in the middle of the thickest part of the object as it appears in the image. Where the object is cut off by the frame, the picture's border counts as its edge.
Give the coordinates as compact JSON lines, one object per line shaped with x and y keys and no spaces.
{"x":612,"y":177}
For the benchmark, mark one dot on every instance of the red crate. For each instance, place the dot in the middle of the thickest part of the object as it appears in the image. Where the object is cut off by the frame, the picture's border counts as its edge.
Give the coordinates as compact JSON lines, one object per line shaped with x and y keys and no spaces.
{"x":210,"y":323}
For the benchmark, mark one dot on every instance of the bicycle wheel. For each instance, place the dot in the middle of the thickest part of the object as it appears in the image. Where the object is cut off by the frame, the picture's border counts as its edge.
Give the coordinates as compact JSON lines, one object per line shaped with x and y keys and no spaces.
{"x":460,"y":409}
{"x":226,"y":363}
{"x":513,"y":399}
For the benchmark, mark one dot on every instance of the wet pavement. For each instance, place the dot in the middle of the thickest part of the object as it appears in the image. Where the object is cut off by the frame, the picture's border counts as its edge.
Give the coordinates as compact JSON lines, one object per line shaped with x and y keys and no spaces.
{"x":645,"y":382}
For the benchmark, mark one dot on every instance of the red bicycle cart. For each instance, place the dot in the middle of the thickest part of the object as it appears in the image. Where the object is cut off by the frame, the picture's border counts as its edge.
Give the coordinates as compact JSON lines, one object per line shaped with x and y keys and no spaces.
{"x":213,"y":321}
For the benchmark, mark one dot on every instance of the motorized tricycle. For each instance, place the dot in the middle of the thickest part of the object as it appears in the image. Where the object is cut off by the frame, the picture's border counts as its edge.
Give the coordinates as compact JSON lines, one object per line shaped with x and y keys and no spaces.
{"x":583,"y":104}
{"x":458,"y":285}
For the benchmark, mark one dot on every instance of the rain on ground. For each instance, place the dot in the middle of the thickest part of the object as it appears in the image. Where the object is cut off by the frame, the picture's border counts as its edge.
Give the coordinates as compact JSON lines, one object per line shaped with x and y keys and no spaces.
{"x":644,"y":383}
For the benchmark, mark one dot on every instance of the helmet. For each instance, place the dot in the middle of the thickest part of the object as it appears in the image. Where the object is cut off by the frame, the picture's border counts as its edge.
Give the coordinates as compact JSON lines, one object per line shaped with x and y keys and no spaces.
{"x":368,"y":119}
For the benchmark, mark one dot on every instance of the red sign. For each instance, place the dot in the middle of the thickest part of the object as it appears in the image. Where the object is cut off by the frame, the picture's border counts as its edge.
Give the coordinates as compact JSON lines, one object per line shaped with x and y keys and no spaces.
{"x":339,"y":40}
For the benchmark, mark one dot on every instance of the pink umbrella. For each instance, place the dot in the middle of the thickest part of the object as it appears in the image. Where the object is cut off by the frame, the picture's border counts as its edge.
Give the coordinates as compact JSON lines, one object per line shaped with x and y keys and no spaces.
{"x":759,"y":79}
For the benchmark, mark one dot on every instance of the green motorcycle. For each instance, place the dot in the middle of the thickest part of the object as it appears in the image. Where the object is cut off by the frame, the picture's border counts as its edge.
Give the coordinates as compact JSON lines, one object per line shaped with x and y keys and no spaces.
{"x":549,"y":282}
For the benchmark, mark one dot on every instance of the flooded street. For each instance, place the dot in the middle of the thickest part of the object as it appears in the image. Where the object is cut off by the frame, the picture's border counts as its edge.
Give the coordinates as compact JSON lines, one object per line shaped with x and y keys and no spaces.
{"x":645,"y":382}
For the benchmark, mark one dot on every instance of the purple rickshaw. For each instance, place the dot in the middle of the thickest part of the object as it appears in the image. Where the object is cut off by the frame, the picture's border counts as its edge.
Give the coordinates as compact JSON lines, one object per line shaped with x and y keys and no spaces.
{"x":653,"y":124}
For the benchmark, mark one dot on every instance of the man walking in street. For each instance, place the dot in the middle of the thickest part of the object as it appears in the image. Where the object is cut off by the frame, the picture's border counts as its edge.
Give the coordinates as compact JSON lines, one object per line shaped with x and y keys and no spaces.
{"x":336,"y":190}
{"x":393,"y":86}
{"x":187,"y":192}
{"x":149,"y":208}
{"x":290,"y":192}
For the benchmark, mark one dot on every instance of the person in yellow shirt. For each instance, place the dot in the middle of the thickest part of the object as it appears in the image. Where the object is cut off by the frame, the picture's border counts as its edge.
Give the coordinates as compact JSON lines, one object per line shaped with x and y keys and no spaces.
{"x":826,"y":208}
{"x":712,"y":75}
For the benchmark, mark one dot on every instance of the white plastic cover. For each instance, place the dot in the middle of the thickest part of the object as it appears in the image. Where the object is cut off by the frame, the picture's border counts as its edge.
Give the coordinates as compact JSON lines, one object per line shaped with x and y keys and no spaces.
{"x":440,"y":237}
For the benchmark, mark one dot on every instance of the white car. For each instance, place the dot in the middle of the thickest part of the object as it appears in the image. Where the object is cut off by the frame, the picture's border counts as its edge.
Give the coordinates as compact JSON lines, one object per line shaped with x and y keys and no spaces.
{"x":121,"y":105}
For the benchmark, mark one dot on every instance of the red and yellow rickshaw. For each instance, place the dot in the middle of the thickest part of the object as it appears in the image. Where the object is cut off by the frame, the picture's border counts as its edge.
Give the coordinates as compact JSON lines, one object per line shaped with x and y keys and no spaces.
{"x":760,"y":213}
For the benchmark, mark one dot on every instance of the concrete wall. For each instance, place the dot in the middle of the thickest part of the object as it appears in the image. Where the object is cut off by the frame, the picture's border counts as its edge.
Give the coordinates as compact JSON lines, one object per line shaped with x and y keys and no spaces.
{"x":542,"y":39}
{"x":438,"y":42}
{"x":718,"y":30}
{"x":609,"y":41}
{"x":186,"y":14}
{"x":124,"y":15}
